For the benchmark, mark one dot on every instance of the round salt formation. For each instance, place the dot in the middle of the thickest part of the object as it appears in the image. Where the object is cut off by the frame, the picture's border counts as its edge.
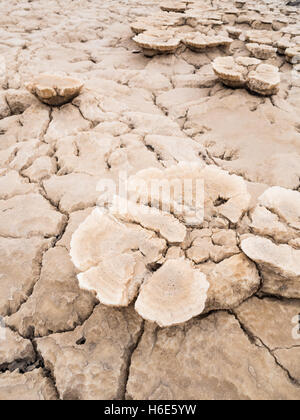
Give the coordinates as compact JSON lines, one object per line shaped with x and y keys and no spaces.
{"x":171,"y":6}
{"x":229,"y":72}
{"x":264,"y":80}
{"x":113,"y":257}
{"x":157,"y":41}
{"x":198,"y":42}
{"x":168,"y":244}
{"x":261,"y":51}
{"x":248,"y":72}
{"x":54,"y":90}
{"x":176,"y":293}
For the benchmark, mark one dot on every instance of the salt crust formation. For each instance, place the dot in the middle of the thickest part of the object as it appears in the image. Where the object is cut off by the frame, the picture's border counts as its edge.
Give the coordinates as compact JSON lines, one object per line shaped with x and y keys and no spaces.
{"x":170,"y":6}
{"x":135,"y":113}
{"x":54,"y":90}
{"x":174,"y":294}
{"x":263,"y":79}
{"x":148,"y":243}
{"x":169,"y":40}
{"x":201,"y":28}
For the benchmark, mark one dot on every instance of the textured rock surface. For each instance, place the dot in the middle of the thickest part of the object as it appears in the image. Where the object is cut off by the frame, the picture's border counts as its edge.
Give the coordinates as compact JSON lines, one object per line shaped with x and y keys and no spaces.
{"x":262,"y":52}
{"x":211,"y":359}
{"x":276,"y":250}
{"x":30,"y":386}
{"x":231,"y":282}
{"x":91,"y":362}
{"x":271,"y":320}
{"x":14,"y":350}
{"x":54,"y":90}
{"x":32,"y":215}
{"x":56,"y":303}
{"x":18,"y":279}
{"x":149,"y":110}
{"x":99,"y":240}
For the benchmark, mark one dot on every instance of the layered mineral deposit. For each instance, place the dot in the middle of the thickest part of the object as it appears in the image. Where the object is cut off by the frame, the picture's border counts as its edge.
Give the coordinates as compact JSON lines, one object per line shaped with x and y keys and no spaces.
{"x":54,"y":90}
{"x":112,"y":284}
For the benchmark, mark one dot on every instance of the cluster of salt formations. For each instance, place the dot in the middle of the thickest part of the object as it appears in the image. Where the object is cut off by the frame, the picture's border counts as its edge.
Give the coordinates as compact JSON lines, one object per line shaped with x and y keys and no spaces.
{"x":162,"y":256}
{"x":239,"y":72}
{"x":188,"y":24}
{"x":54,"y":90}
{"x":169,"y":40}
{"x":180,"y":265}
{"x":164,"y":41}
{"x":165,"y":33}
{"x":198,"y":28}
{"x":138,"y":113}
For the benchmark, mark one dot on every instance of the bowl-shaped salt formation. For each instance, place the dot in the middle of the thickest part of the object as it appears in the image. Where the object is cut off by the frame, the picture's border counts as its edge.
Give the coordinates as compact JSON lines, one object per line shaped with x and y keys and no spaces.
{"x":264,"y":80}
{"x":157,"y":42}
{"x":198,"y":41}
{"x":54,"y":90}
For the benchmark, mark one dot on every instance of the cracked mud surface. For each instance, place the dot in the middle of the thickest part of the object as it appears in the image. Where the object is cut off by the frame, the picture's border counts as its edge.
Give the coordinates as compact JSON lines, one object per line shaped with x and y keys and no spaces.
{"x":142,"y":110}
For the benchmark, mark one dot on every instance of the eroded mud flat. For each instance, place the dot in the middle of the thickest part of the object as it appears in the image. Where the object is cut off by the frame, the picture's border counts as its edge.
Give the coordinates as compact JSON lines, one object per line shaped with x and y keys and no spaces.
{"x":205,"y":90}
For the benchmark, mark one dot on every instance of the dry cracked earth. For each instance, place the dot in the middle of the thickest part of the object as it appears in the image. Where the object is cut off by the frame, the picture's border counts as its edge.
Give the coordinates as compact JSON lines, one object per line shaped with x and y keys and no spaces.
{"x":144,"y":110}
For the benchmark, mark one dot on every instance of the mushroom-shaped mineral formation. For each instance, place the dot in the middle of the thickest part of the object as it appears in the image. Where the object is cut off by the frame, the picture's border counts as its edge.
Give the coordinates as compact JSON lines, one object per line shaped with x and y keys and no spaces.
{"x":157,"y":41}
{"x":54,"y":90}
{"x":240,"y":3}
{"x":238,"y":72}
{"x":229,"y":72}
{"x":198,"y":42}
{"x":265,"y":80}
